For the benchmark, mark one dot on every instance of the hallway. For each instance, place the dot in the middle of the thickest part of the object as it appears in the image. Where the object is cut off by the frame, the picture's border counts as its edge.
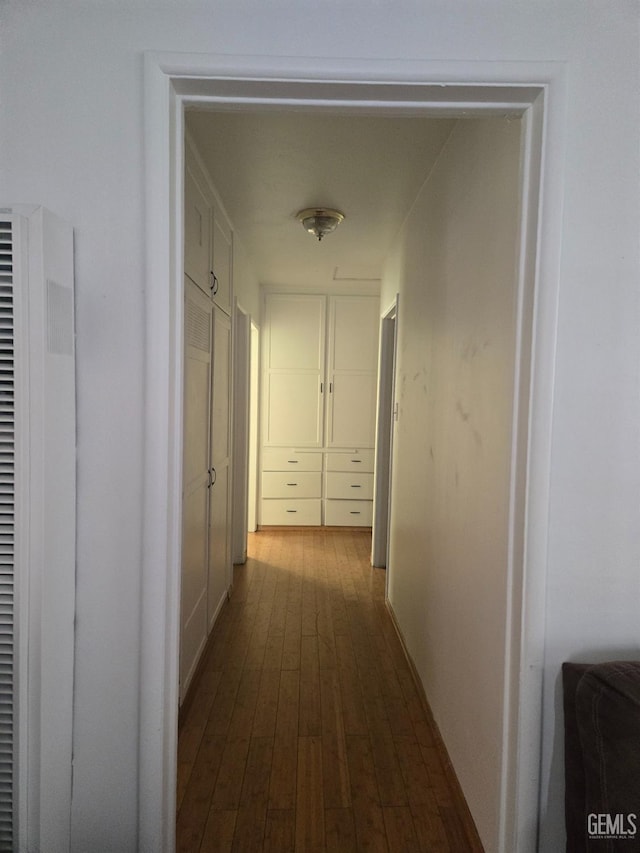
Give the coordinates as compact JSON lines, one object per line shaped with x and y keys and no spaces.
{"x":305,"y":731}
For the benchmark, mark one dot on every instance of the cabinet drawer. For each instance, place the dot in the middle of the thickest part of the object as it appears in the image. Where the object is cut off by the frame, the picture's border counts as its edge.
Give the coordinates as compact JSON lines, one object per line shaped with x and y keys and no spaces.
{"x":359,"y":460}
{"x":291,"y":512}
{"x":283,"y":459}
{"x":341,"y":513}
{"x":350,"y":486}
{"x":291,"y":484}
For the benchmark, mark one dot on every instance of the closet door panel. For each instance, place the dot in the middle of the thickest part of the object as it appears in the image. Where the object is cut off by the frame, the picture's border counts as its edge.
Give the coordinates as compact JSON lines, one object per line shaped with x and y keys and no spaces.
{"x":195,"y":480}
{"x":294,"y":369}
{"x":354,"y":333}
{"x":219,"y":494}
{"x":197,"y":233}
{"x":295,"y":332}
{"x":352,"y":371}
{"x":219,"y":543}
{"x":352,"y":410}
{"x":196,"y":405}
{"x":294,"y":410}
{"x":194,"y":574}
{"x":221,"y":390}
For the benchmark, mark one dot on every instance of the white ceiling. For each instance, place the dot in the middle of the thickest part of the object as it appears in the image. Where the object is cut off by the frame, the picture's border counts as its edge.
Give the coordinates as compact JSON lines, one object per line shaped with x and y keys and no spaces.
{"x":266,"y":166}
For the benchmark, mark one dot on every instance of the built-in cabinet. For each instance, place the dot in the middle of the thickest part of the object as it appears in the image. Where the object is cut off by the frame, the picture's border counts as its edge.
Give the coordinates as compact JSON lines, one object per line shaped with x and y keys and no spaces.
{"x":319,"y":382}
{"x":208,"y":244}
{"x":206,"y":528}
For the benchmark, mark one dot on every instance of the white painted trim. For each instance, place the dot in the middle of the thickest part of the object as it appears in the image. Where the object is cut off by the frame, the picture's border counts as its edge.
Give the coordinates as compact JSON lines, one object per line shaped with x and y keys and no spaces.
{"x":544,"y":220}
{"x":160,"y":626}
{"x":453,"y":88}
{"x":516,"y":655}
{"x":240,"y":407}
{"x":384,"y":440}
{"x":254,"y":425}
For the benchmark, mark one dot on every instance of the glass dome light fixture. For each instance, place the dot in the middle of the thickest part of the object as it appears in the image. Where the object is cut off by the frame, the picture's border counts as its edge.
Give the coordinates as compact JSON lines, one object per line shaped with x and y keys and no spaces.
{"x":320,"y":220}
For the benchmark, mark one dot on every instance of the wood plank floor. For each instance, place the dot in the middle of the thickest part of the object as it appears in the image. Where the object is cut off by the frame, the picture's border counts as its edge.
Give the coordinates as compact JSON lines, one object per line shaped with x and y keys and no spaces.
{"x":305,"y":731}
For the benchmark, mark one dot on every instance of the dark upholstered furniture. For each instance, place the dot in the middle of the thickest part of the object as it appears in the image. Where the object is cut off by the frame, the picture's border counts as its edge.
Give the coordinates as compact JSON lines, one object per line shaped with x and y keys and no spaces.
{"x":602,"y":756}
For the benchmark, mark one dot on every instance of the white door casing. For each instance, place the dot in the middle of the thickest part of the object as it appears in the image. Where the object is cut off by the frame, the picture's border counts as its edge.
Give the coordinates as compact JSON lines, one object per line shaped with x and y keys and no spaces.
{"x":241,"y":404}
{"x":536,"y":91}
{"x":384,"y":440}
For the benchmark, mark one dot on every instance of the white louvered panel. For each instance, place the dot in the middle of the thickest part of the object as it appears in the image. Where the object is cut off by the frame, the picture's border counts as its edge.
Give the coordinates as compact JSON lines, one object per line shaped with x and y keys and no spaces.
{"x":7,"y":536}
{"x":37,"y":527}
{"x":197,"y":326}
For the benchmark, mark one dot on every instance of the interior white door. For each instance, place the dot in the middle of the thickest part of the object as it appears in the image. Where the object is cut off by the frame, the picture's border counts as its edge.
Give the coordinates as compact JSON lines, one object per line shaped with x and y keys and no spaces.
{"x":195,"y":481}
{"x":220,"y":497}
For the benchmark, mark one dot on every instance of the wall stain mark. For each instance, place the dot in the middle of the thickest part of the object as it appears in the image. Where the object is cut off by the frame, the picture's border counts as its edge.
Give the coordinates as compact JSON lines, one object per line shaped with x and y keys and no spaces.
{"x":466,"y":417}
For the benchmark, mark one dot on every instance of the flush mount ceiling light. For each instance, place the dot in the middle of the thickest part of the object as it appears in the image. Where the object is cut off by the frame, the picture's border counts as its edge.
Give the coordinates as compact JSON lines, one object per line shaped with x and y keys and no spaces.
{"x":320,"y":220}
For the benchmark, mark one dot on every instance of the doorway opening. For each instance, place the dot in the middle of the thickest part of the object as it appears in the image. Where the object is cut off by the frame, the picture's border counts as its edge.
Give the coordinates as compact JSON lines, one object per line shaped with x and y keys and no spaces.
{"x":172,"y":83}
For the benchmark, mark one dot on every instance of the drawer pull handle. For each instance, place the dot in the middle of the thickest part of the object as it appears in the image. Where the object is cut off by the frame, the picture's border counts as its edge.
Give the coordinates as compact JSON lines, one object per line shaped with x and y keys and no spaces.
{"x":356,"y":460}
{"x":355,"y":486}
{"x":355,"y":512}
{"x":292,"y":484}
{"x":293,"y":461}
{"x":292,"y":510}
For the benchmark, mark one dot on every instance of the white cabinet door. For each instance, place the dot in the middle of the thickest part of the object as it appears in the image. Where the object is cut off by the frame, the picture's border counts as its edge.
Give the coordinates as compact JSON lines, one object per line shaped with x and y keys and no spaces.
{"x":352,"y":370}
{"x":294,"y":370}
{"x":197,"y":383}
{"x":351,"y":412}
{"x":220,"y":503}
{"x":197,"y":234}
{"x":222,"y":259}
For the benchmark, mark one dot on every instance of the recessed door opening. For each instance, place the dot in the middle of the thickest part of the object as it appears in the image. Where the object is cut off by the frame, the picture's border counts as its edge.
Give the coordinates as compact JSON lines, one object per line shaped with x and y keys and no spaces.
{"x":323,"y":355}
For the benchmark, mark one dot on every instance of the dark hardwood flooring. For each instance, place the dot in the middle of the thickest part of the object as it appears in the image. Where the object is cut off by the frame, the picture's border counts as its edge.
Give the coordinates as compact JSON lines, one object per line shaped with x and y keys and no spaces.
{"x":305,"y":730}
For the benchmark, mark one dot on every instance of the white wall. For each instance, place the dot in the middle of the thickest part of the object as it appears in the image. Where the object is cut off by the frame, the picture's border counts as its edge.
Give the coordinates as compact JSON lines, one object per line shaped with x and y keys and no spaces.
{"x":71,"y":138}
{"x":245,"y":284}
{"x":454,"y":268}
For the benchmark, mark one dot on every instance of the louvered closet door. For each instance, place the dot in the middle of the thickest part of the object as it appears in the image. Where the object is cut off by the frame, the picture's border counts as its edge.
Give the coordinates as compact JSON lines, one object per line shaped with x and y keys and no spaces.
{"x":197,"y":385}
{"x":7,"y":535}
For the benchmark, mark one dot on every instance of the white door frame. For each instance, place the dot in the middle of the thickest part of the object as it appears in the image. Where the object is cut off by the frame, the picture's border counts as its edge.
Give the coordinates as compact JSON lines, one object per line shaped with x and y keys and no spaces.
{"x":254,"y":426}
{"x":384,"y":439}
{"x":241,"y":347}
{"x":531,"y":89}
